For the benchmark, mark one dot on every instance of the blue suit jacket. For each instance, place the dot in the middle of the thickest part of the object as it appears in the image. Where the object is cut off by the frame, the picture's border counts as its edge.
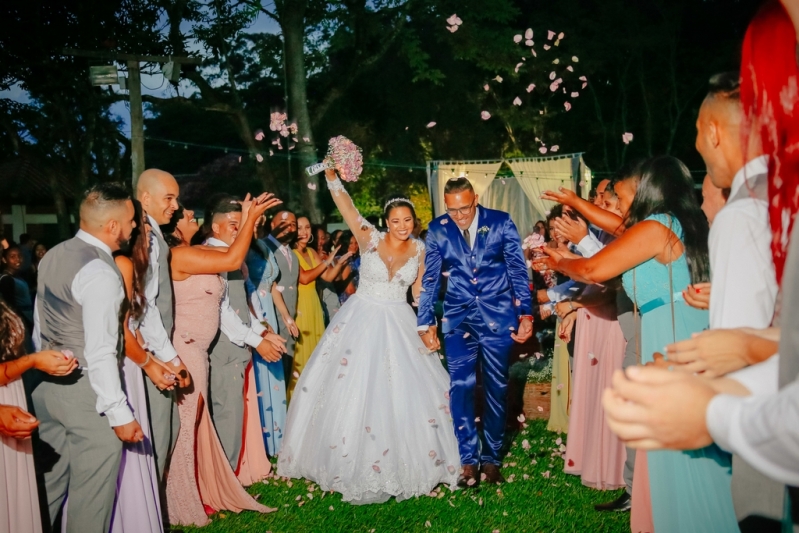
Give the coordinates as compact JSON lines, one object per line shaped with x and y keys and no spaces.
{"x":492,"y":276}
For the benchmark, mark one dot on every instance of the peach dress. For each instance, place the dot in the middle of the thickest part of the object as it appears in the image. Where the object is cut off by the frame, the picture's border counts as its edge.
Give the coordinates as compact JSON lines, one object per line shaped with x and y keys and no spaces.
{"x":199,"y":474}
{"x":19,"y":500}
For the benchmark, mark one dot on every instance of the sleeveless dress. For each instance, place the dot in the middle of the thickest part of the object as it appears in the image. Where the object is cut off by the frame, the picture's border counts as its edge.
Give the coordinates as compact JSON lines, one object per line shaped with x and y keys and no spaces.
{"x":199,"y":472}
{"x":370,"y":418}
{"x":19,"y":498}
{"x":269,"y":377}
{"x":593,"y":451}
{"x":310,"y":321}
{"x":690,"y":491}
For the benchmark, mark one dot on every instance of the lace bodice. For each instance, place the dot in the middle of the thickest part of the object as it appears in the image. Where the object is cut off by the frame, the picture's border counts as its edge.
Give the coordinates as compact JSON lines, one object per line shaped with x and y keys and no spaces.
{"x":383,"y":274}
{"x":374,"y":273}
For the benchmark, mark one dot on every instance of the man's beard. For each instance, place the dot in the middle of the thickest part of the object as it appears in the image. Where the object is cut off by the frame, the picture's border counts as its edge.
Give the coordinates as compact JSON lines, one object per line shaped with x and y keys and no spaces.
{"x":124,"y":244}
{"x":287,"y":238}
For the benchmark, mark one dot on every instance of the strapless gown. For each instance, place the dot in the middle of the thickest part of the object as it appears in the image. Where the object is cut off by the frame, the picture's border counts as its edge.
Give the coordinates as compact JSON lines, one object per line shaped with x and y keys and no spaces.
{"x":199,"y":473}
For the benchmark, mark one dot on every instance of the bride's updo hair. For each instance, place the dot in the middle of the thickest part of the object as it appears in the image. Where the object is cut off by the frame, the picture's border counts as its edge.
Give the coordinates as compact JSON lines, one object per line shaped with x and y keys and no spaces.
{"x":394,"y":203}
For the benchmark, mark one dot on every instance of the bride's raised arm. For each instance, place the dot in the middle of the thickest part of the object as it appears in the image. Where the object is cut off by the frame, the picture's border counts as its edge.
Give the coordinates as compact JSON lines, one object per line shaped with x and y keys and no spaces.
{"x":358,"y":225}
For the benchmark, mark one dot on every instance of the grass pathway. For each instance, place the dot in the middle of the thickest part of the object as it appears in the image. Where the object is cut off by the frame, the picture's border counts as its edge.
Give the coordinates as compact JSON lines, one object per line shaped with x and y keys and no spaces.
{"x":540,"y":498}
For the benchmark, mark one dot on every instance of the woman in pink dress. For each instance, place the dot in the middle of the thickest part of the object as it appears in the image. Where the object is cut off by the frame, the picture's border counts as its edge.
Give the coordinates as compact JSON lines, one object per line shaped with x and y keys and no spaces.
{"x":593,"y":451}
{"x":200,"y":480}
{"x":19,"y":498}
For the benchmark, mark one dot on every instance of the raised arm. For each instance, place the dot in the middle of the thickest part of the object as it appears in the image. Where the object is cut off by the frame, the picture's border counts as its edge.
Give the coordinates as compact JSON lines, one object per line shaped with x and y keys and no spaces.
{"x":193,"y":260}
{"x":357,"y":224}
{"x":604,"y":220}
{"x":638,"y":244}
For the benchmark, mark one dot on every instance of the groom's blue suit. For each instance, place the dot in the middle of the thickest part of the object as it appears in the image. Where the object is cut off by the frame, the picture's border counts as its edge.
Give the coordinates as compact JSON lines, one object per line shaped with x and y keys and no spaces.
{"x":487,"y":292}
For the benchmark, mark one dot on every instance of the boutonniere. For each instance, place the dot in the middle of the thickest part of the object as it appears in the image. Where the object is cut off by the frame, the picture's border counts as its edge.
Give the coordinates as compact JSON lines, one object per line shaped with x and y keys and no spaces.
{"x":483,"y":230}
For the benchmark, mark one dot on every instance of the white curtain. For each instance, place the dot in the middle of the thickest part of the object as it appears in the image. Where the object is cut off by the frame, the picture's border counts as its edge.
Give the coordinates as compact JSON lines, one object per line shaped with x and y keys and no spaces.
{"x":506,"y":195}
{"x":479,"y":174}
{"x":536,"y":176}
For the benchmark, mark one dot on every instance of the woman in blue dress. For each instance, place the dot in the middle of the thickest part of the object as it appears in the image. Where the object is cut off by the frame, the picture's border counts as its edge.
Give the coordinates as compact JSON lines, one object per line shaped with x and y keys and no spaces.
{"x":269,"y":377}
{"x":664,"y":249}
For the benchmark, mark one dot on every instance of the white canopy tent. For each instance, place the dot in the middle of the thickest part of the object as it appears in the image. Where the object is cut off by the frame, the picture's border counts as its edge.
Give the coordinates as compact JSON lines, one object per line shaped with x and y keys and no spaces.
{"x":519,"y":195}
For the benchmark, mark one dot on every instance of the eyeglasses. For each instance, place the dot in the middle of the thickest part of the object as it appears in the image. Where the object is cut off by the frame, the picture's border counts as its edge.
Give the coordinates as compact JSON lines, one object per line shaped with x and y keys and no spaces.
{"x":463,"y":211}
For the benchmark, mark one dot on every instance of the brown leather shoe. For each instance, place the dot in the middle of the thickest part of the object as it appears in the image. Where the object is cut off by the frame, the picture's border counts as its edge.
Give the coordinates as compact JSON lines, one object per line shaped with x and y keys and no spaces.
{"x":493,"y":475}
{"x":470,"y":476}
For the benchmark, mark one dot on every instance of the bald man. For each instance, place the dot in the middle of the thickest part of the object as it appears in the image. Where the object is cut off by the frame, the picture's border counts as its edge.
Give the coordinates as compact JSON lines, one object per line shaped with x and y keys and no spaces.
{"x":77,"y":312}
{"x":157,"y":191}
{"x":742,"y":272}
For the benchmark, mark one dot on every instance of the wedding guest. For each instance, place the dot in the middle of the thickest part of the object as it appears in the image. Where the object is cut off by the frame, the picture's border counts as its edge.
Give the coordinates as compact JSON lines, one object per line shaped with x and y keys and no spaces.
{"x":26,"y":245}
{"x":200,"y":480}
{"x":231,"y":371}
{"x":713,"y":199}
{"x":310,"y":319}
{"x":269,"y":376}
{"x":19,"y":498}
{"x":38,"y":253}
{"x":682,"y":411}
{"x":14,"y":290}
{"x":326,"y":289}
{"x":158,"y":191}
{"x":281,"y":237}
{"x":138,"y":506}
{"x":77,"y":310}
{"x":347,"y":280}
{"x":541,"y":229}
{"x":664,"y":246}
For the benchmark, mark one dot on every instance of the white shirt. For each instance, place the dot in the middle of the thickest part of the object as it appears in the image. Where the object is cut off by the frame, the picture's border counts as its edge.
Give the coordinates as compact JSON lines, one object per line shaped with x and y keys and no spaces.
{"x":230,"y":323}
{"x":760,"y":428}
{"x":744,"y":286}
{"x":590,"y":245}
{"x":473,"y":227}
{"x":98,"y":289}
{"x":152,"y":327}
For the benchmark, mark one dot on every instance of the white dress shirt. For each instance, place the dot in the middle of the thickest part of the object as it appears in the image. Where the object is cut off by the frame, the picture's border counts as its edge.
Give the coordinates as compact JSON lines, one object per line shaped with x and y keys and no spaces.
{"x":590,"y":245}
{"x":473,"y":227}
{"x":758,"y":427}
{"x":152,"y":327}
{"x":744,"y":286}
{"x":230,"y":323}
{"x":97,"y":288}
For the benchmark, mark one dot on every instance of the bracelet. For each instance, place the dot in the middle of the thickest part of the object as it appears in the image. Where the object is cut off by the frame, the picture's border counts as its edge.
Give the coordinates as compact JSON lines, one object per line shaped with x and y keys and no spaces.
{"x":145,"y":361}
{"x":571,"y":306}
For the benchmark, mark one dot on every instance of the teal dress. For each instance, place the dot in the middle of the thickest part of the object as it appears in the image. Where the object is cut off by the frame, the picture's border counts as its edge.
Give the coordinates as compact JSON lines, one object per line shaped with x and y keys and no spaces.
{"x":690,"y":490}
{"x":269,"y":377}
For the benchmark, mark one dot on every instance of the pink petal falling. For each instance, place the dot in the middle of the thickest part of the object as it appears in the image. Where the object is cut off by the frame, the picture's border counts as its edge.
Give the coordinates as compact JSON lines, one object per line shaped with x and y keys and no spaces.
{"x":485,"y":115}
{"x":627,"y":138}
{"x":430,"y":124}
{"x":554,"y":148}
{"x":312,"y":186}
{"x":517,"y":101}
{"x":550,"y":35}
{"x":530,"y":87}
{"x":543,"y":149}
{"x":567,"y":105}
{"x":529,"y":33}
{"x":517,"y":38}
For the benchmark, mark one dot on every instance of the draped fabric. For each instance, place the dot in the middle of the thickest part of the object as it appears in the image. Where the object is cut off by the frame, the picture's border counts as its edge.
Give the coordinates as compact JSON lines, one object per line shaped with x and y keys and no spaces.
{"x":480,"y":174}
{"x":536,"y":176}
{"x":506,"y":195}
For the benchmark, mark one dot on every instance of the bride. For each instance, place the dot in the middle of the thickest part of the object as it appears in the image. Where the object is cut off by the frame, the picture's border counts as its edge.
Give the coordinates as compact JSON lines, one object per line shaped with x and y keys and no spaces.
{"x":370,"y":415}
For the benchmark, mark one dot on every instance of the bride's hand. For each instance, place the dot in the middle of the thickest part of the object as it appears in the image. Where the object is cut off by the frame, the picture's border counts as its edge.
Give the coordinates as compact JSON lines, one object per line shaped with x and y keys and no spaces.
{"x":330,"y":174}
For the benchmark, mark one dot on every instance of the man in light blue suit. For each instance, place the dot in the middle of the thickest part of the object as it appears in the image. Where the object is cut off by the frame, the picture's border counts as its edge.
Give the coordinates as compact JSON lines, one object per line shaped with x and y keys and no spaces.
{"x":486,"y":308}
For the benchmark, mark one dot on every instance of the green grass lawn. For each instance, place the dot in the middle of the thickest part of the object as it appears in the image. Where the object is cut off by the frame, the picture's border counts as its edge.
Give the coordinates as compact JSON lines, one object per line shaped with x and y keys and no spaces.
{"x":532,"y":502}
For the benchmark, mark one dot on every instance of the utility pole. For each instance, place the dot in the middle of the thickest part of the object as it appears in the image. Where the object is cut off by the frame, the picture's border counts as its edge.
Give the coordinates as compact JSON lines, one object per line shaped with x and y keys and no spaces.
{"x":133,"y":62}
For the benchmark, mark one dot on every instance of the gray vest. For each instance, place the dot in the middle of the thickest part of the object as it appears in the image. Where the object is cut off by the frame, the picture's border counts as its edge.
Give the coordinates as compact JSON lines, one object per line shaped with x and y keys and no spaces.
{"x":222,"y":349}
{"x":60,"y":316}
{"x":289,"y":276}
{"x":164,"y":301}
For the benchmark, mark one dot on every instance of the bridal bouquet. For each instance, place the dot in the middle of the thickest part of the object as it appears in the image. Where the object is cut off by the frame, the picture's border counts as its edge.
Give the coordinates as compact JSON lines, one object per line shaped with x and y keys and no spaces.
{"x":344,"y":156}
{"x":533,"y":242}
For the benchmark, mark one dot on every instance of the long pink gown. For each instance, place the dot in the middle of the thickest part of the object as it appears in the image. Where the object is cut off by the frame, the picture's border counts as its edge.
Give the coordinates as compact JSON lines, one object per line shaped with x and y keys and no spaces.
{"x":199,"y":472}
{"x":593,"y":451}
{"x":19,"y":500}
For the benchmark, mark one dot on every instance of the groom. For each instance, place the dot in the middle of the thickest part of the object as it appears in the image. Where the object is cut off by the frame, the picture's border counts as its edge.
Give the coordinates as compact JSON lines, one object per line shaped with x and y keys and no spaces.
{"x":486,"y":308}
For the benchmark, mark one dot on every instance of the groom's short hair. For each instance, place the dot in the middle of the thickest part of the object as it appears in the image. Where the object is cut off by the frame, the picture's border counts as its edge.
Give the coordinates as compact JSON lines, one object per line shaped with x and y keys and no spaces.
{"x":456,"y":185}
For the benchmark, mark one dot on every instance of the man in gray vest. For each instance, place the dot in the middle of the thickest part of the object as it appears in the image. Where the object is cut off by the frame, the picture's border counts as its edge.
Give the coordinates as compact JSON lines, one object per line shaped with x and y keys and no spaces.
{"x":79,"y":296}
{"x":158,"y":192}
{"x":229,"y":354}
{"x":284,"y":232}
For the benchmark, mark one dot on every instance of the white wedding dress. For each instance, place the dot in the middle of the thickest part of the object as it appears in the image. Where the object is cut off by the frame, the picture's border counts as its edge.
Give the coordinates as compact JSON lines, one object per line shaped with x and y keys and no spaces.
{"x":370,"y":415}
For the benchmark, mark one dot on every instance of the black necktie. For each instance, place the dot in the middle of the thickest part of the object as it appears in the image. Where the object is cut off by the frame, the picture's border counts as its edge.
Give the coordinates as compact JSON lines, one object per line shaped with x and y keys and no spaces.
{"x":466,"y":236}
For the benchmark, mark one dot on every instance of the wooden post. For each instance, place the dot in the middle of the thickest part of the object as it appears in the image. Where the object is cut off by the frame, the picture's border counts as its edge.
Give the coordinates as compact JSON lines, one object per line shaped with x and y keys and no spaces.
{"x":136,"y":122}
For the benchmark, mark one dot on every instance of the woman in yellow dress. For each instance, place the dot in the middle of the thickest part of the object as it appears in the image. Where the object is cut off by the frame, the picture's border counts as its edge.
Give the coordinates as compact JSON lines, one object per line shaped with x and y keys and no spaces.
{"x":310,"y":318}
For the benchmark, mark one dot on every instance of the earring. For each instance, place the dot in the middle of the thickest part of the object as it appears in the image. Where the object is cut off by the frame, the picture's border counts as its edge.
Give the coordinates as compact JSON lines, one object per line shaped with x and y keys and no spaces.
{"x":310,"y":240}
